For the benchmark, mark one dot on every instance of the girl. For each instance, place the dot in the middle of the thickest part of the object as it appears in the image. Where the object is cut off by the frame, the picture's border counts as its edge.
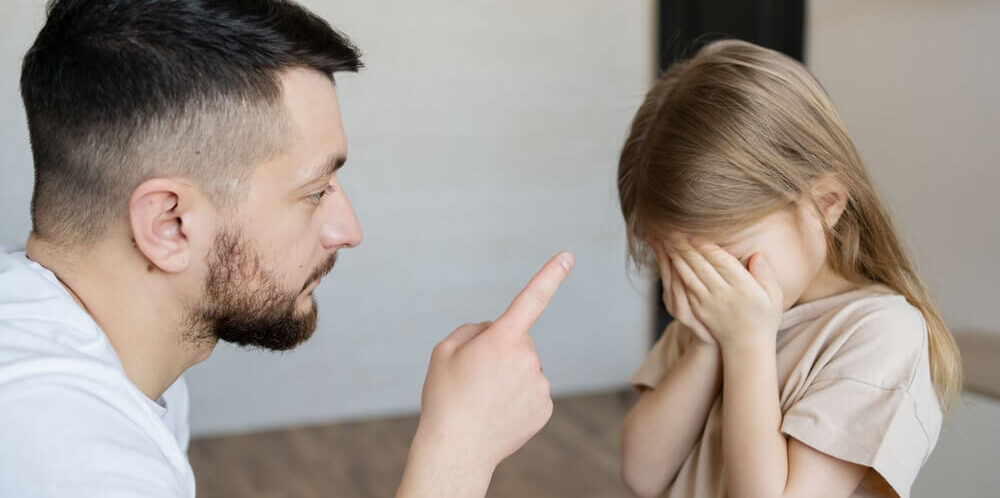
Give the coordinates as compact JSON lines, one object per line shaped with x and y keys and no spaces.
{"x":806,"y":358}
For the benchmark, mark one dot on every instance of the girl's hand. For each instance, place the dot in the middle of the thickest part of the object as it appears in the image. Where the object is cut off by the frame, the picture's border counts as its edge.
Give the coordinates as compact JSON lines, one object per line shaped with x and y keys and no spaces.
{"x":737,"y":306}
{"x":676,"y":300}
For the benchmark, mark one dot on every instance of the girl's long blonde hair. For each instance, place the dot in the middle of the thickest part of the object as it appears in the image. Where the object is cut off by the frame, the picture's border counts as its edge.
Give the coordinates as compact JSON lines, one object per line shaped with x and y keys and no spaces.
{"x":739,"y":131}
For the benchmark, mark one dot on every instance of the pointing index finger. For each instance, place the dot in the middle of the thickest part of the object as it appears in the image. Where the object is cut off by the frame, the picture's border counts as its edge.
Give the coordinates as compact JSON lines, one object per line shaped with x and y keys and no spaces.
{"x":535,"y":297}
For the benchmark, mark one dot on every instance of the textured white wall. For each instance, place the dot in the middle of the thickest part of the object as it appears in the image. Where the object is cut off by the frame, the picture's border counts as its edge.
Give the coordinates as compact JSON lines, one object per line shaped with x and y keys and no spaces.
{"x":19,"y":24}
{"x":916,"y":83}
{"x":483,"y":139}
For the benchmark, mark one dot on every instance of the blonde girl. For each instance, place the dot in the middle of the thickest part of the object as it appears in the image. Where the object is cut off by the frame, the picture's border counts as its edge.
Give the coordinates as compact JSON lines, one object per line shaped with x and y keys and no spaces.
{"x":807,"y":358}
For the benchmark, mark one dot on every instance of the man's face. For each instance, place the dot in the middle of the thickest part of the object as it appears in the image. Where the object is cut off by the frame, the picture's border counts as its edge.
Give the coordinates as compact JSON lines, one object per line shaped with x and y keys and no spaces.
{"x":264,"y":265}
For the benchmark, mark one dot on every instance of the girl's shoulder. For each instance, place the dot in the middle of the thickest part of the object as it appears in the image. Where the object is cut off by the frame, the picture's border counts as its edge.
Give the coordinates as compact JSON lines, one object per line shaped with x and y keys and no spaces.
{"x":859,"y":387}
{"x":873,"y":335}
{"x":856,"y":307}
{"x":878,"y":310}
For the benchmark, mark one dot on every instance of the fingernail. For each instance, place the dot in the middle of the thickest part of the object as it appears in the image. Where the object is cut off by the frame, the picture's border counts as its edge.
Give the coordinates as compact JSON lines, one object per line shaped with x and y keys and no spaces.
{"x":566,"y":260}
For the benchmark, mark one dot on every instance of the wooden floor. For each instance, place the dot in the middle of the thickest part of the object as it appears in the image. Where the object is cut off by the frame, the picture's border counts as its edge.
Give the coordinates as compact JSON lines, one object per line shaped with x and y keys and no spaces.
{"x":576,"y":455}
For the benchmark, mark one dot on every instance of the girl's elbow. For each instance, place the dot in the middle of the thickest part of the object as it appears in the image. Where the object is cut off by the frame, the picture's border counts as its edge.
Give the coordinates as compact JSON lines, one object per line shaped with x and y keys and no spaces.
{"x":638,"y":478}
{"x":641,"y":482}
{"x":641,"y":488}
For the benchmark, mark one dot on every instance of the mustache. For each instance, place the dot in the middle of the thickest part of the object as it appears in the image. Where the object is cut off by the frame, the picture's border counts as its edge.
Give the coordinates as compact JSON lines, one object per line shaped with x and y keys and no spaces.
{"x":321,"y":271}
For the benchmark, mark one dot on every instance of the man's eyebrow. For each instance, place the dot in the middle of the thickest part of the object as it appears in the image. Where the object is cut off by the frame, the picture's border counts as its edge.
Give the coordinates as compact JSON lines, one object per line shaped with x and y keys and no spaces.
{"x":328,"y":168}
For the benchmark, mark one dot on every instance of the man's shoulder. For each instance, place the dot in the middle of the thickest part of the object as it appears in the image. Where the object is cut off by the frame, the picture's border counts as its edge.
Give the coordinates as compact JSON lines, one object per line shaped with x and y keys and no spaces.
{"x":28,"y":290}
{"x":74,"y":435}
{"x":62,"y":372}
{"x":71,"y":421}
{"x":43,"y":381}
{"x":41,"y":324}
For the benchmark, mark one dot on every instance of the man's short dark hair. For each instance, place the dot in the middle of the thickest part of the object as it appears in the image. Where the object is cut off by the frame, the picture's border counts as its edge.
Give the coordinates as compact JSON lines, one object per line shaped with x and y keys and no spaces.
{"x":121,"y":91}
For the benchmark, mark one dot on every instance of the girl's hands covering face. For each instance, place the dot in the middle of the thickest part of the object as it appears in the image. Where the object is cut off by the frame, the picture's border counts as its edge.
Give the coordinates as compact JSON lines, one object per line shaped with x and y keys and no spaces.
{"x":675,"y":298}
{"x":735,"y":304}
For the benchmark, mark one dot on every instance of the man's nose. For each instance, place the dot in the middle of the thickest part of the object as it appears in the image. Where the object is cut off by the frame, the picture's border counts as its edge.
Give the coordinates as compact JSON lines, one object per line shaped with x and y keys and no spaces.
{"x":341,"y":228}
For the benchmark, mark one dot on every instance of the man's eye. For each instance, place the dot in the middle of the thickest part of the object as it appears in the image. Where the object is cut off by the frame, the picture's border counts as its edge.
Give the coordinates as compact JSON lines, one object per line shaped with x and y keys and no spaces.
{"x":318,"y":196}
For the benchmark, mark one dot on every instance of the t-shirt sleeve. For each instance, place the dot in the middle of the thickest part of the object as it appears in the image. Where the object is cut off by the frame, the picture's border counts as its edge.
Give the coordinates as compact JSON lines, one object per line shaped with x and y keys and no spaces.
{"x":59,"y":438}
{"x":869,"y":402}
{"x":662,"y":357}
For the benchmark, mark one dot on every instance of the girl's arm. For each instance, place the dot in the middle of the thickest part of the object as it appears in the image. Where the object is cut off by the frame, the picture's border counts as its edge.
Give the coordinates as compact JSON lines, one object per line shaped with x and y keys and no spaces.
{"x":665,"y":423}
{"x":759,"y":460}
{"x":743,"y":309}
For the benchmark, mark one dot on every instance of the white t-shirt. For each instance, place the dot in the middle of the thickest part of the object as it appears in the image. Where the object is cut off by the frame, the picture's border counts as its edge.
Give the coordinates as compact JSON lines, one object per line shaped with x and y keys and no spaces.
{"x":71,"y":422}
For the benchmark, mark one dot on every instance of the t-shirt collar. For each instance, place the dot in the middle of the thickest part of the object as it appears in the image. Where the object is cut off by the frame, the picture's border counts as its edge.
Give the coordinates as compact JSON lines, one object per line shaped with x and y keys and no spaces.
{"x":800,"y":313}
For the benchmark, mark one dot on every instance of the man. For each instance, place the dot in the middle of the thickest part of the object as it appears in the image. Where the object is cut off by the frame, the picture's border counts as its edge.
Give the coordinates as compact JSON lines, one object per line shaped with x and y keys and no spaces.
{"x":186,"y":156}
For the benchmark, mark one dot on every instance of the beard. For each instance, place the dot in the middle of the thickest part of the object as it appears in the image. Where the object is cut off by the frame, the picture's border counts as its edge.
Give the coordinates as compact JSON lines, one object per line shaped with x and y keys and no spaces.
{"x":244,"y":304}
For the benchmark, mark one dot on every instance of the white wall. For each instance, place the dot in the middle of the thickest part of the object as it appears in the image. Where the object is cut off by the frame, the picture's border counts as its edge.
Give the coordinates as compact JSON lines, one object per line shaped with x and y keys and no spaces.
{"x":18,"y":26}
{"x":484,"y":139}
{"x":916,"y":83}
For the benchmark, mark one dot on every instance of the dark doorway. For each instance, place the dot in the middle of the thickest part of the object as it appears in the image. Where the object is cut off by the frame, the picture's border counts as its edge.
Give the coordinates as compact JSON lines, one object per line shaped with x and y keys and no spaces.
{"x":687,"y":25}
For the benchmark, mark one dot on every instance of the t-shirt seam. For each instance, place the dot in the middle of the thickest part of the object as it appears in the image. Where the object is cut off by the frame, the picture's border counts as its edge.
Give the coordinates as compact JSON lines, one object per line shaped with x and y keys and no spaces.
{"x":920,"y":422}
{"x":870,"y":462}
{"x":906,"y":392}
{"x":902,"y":387}
{"x":913,"y":375}
{"x":905,"y":387}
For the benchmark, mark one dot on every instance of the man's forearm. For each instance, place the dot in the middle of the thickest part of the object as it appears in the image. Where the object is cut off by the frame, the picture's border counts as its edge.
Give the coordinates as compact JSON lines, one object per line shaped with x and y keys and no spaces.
{"x":438,"y":468}
{"x":754,"y":450}
{"x":665,"y":423}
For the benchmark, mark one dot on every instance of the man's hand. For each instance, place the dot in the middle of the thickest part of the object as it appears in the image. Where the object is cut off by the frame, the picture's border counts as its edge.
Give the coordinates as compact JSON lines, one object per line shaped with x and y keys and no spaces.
{"x":484,"y":397}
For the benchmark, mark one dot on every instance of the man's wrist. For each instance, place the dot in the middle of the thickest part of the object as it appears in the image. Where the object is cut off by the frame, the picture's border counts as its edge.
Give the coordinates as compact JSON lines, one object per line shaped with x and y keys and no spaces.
{"x":441,"y":467}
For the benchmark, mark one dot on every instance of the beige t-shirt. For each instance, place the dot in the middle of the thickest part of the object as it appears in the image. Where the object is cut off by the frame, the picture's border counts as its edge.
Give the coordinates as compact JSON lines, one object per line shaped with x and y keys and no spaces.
{"x":854,"y":383}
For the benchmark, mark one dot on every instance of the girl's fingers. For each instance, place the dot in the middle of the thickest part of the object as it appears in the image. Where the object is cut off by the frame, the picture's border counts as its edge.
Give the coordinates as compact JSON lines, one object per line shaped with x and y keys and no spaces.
{"x":679,"y":296}
{"x":663,"y":261}
{"x":700,"y":267}
{"x":686,"y":314}
{"x":727,"y":266}
{"x":687,"y":276}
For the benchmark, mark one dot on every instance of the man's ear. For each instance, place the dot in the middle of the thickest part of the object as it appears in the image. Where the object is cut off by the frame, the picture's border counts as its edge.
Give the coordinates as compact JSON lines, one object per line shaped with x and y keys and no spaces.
{"x":162,"y":213}
{"x":831,"y":198}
